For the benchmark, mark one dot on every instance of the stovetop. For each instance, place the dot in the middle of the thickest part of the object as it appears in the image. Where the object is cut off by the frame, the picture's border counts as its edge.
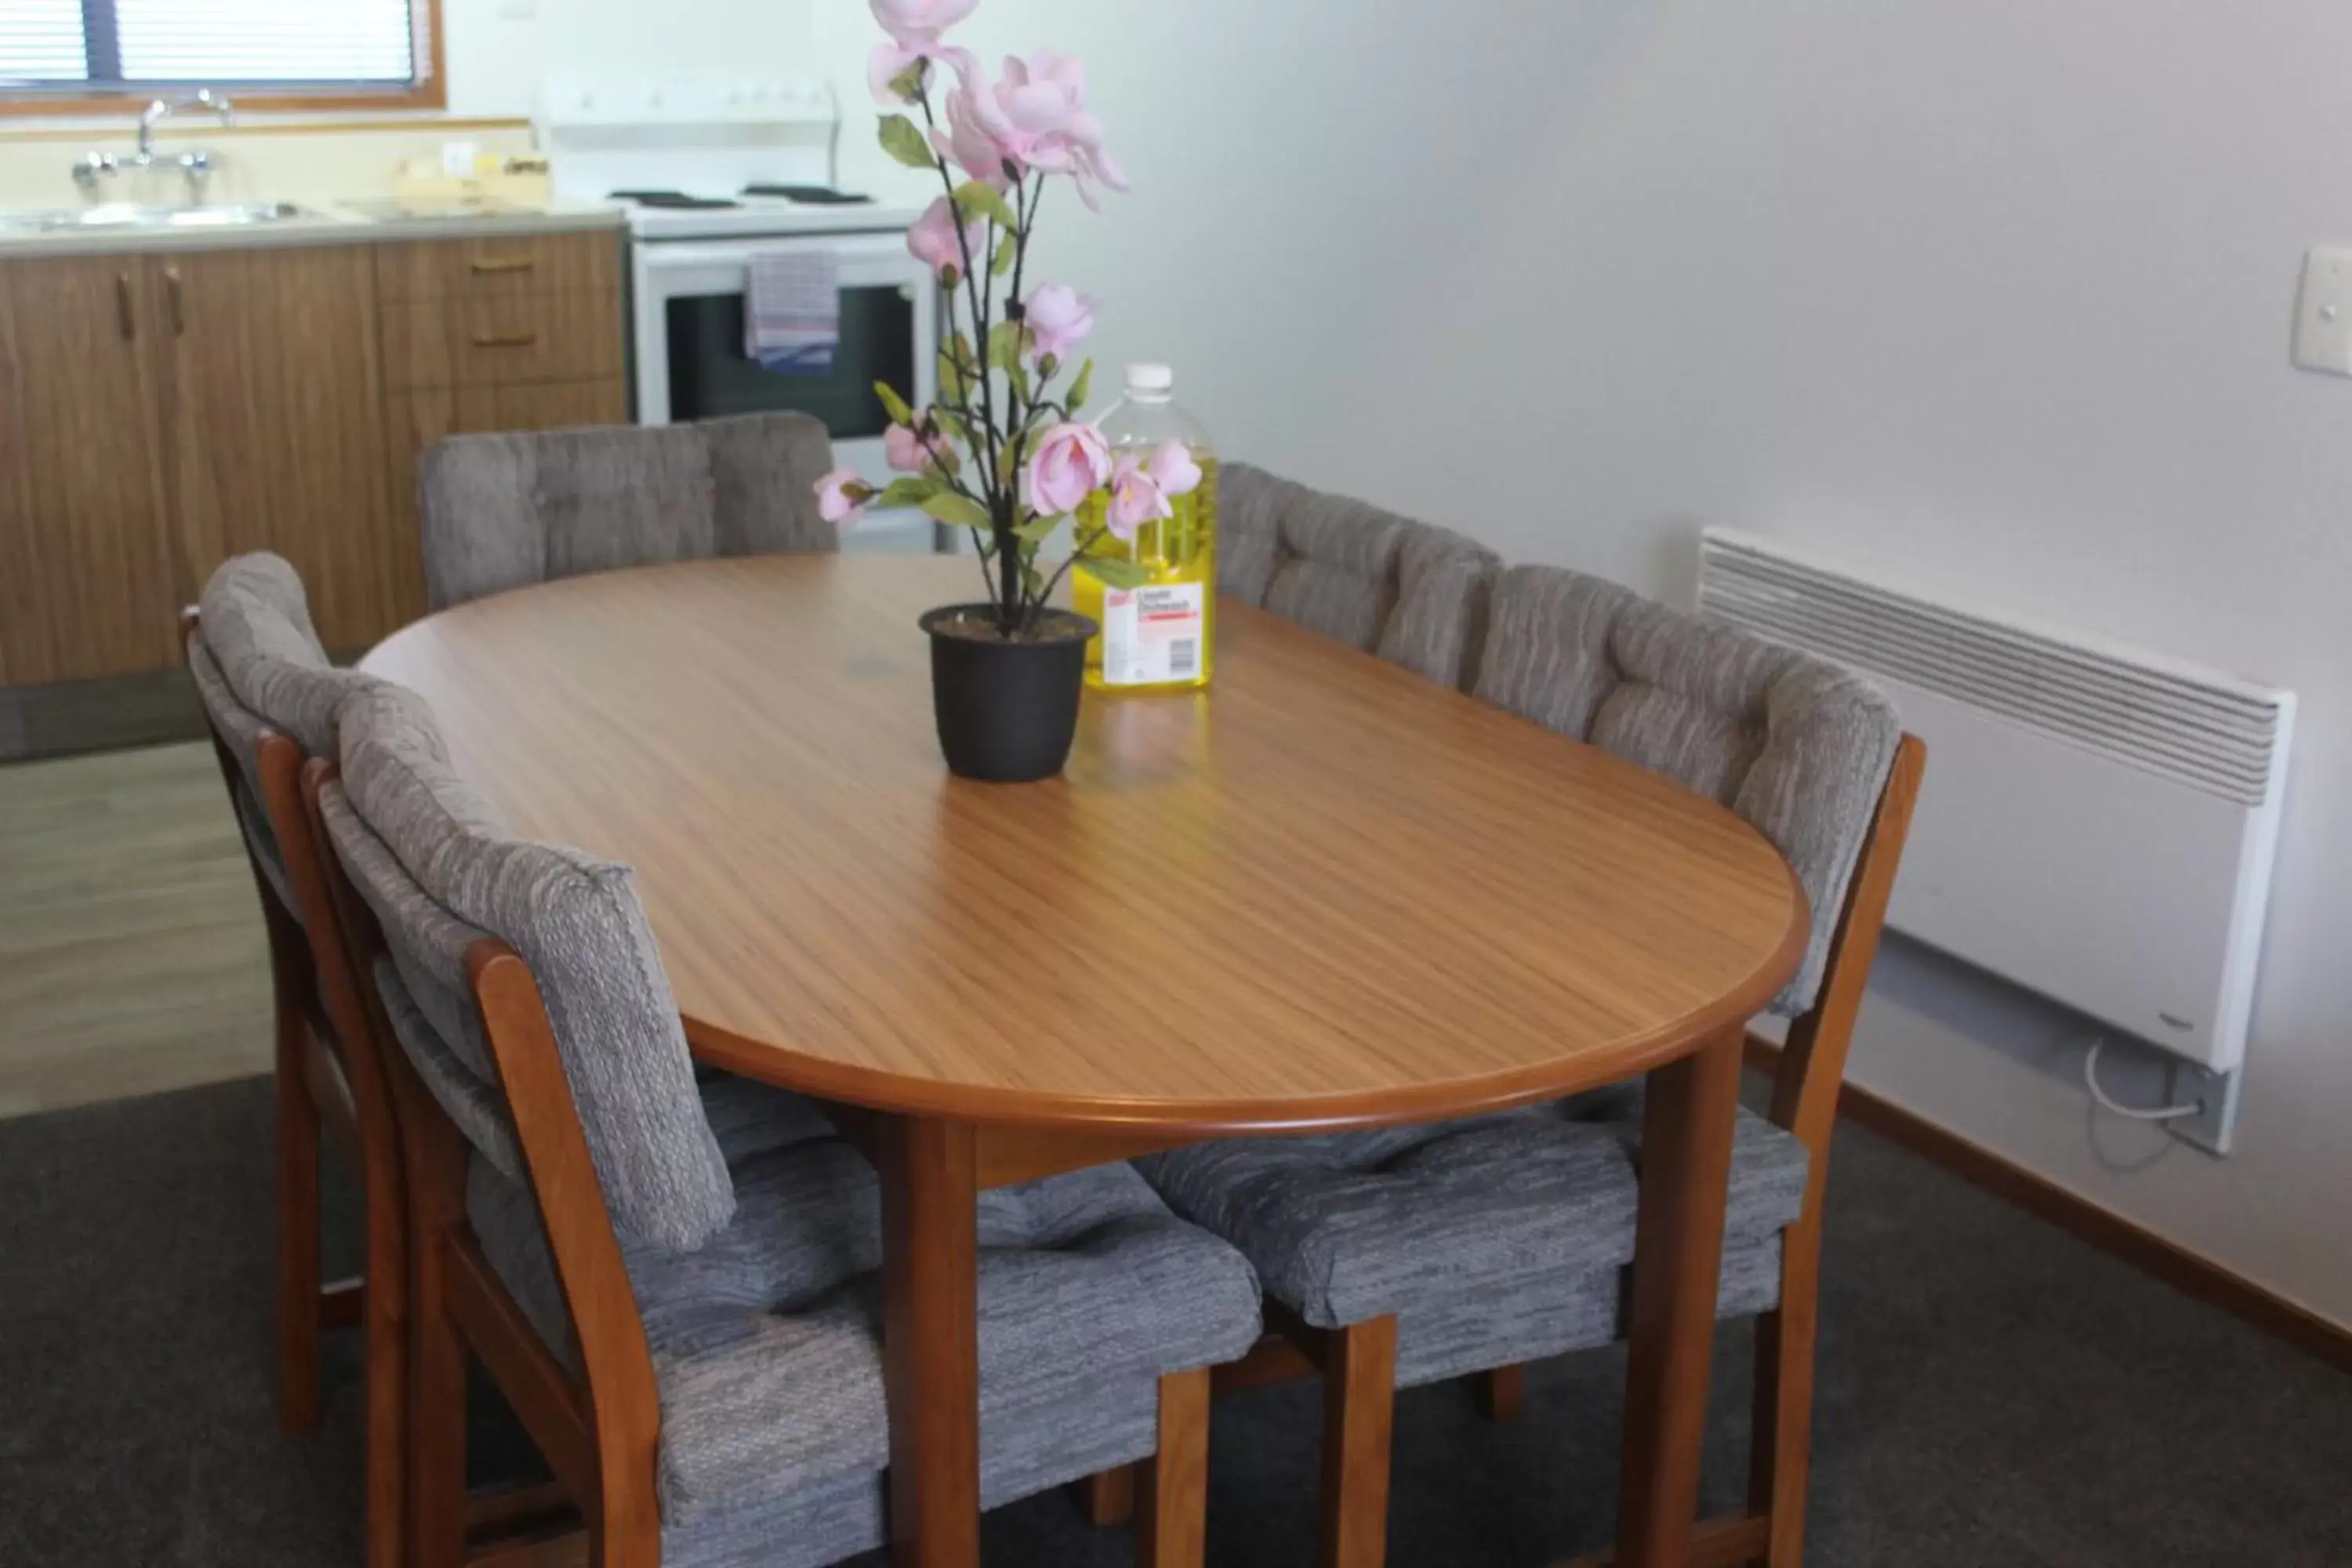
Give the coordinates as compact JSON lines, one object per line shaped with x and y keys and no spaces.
{"x":754,"y":210}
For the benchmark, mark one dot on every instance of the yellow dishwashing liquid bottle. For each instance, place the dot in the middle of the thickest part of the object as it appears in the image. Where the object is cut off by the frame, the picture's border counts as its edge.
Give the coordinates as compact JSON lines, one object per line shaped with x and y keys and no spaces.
{"x":1160,"y":636}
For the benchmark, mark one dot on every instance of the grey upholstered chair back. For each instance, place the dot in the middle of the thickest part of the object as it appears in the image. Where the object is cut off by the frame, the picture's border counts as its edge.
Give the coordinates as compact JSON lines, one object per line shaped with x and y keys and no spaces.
{"x":1413,"y":593}
{"x":258,"y":663}
{"x":439,"y":869}
{"x":1798,"y":746}
{"x":508,"y":510}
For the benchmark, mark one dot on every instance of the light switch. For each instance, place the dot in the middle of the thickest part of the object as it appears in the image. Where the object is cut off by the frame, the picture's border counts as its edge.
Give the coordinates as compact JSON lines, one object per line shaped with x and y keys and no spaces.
{"x":2323,"y":317}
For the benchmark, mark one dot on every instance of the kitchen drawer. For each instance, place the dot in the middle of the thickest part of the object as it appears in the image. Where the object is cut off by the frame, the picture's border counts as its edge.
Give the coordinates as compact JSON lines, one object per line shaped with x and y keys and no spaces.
{"x":497,"y":267}
{"x":571,"y":336}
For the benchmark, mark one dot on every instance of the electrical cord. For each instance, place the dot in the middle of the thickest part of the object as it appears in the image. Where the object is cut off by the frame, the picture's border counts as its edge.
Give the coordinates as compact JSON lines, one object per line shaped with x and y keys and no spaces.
{"x":2139,"y":1113}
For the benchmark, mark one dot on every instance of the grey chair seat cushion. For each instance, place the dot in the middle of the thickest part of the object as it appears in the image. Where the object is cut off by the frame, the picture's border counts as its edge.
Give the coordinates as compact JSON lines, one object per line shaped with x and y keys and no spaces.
{"x":1478,"y":1234}
{"x":767,"y":1339}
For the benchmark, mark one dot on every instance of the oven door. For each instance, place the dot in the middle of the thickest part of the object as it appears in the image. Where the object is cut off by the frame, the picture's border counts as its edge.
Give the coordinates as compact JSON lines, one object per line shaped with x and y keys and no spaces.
{"x":691,"y":363}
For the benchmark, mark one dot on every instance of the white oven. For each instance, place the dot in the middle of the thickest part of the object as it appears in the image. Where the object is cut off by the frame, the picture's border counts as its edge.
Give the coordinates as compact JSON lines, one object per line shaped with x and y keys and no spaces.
{"x":687,"y":304}
{"x":713,"y":171}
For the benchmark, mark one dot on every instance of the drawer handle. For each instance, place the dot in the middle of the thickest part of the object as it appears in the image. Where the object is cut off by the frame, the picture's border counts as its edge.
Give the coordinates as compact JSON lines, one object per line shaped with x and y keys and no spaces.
{"x":179,"y":310}
{"x":505,"y":339}
{"x":489,"y":266}
{"x":123,"y":310}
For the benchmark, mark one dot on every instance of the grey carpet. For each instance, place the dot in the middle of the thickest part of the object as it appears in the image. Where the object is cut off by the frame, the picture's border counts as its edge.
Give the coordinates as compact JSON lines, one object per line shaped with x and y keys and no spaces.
{"x":1992,"y":1392}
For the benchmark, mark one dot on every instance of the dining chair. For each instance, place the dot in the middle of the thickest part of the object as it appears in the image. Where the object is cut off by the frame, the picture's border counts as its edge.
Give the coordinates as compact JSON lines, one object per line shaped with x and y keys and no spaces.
{"x":269,"y":696}
{"x":503,"y":512}
{"x":1413,"y":594}
{"x":1405,"y":1256}
{"x":692,"y":1334}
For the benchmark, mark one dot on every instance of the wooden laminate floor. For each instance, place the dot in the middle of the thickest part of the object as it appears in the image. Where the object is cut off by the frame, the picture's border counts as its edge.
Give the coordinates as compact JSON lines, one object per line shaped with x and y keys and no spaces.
{"x":131,"y":952}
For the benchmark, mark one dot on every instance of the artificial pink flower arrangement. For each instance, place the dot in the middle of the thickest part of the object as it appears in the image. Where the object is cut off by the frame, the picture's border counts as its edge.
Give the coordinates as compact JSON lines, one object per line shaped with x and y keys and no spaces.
{"x":1001,"y":452}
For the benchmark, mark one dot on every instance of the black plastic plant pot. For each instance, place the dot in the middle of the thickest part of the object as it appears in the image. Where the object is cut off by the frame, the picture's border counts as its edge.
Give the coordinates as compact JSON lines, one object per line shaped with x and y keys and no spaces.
{"x":1007,"y":707}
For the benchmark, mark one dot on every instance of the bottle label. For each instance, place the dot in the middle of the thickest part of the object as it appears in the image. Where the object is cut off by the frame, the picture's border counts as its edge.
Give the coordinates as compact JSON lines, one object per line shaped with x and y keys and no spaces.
{"x":1151,"y":636}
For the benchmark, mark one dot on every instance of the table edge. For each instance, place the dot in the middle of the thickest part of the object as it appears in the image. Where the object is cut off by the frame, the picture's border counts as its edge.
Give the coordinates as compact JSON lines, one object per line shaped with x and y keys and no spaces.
{"x":928,"y":1098}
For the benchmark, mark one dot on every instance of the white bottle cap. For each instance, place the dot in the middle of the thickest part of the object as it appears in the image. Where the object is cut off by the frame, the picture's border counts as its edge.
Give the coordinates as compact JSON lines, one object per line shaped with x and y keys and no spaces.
{"x":1149,"y":378}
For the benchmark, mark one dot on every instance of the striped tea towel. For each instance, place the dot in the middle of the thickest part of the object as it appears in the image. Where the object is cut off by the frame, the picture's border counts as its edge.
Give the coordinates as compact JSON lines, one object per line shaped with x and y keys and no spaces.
{"x":792,"y":312}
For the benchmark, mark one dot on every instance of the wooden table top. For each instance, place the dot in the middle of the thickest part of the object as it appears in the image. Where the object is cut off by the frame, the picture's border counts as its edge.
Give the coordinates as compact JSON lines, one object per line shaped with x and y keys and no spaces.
{"x":1324,"y":893}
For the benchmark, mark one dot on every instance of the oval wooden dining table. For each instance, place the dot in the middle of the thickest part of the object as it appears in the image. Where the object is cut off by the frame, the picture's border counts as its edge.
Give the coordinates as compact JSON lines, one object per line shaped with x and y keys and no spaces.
{"x":1325,"y":893}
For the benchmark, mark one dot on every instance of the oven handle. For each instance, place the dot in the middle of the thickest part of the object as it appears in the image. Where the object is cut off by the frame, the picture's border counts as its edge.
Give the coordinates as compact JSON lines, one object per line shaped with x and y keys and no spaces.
{"x":866,"y":259}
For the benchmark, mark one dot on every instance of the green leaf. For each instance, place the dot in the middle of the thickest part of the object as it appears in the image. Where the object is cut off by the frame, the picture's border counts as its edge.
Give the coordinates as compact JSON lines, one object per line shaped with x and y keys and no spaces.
{"x":1114,"y":574}
{"x":903,"y":140}
{"x":978,"y":198}
{"x":1038,"y":529}
{"x":957,"y":510}
{"x":911,"y":83}
{"x":1078,"y":385}
{"x":952,"y":383}
{"x":1007,"y":252}
{"x":1018,"y":374}
{"x":952,"y":422}
{"x":962,"y":346}
{"x":1032,"y":581}
{"x":1004,"y":346}
{"x":1004,"y":464}
{"x":908,"y":489}
{"x":894,"y":403}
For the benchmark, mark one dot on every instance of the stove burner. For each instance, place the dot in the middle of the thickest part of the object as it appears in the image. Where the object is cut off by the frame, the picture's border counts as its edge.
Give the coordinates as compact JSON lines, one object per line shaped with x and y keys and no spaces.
{"x":812,"y":196}
{"x":678,"y":200}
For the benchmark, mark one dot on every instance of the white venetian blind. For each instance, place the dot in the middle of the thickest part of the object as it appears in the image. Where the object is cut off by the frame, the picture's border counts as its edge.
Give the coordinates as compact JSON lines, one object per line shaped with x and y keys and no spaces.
{"x":40,"y":40}
{"x":266,"y":40}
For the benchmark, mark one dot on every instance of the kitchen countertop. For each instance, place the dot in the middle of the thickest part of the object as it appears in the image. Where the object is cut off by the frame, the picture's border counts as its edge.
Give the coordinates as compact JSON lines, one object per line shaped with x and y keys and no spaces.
{"x":320,"y":223}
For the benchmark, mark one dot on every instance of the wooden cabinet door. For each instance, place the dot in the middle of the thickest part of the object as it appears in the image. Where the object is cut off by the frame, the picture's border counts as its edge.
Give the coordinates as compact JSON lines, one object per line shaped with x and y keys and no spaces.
{"x":274,"y":407}
{"x":90,"y":581}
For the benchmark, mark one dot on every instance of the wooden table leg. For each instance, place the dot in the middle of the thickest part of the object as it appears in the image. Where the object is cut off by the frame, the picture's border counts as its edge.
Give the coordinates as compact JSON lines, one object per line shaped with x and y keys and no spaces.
{"x":931,"y":1337}
{"x":1685,"y":1181}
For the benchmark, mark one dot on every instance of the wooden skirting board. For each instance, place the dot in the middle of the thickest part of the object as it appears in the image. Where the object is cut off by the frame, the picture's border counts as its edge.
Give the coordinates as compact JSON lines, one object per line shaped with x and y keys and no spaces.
{"x":2152,"y":1254}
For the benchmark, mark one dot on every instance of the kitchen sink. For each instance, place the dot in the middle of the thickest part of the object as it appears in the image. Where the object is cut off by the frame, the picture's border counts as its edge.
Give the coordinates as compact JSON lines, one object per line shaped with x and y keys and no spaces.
{"x":126,"y":215}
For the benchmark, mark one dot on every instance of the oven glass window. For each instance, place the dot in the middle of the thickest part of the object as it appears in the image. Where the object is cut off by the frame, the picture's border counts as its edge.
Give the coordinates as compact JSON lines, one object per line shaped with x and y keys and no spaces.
{"x":710,"y":375}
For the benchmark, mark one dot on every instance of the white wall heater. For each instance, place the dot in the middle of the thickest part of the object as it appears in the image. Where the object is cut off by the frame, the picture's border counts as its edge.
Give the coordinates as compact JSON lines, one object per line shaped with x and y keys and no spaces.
{"x":2097,"y":823}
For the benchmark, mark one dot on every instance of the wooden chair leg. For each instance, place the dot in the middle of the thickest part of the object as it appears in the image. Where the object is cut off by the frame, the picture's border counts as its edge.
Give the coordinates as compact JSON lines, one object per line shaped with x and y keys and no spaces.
{"x":437,"y":1415}
{"x":384,"y":1324}
{"x":1359,"y":1414}
{"x":300,"y":1404}
{"x":1504,"y":1391}
{"x":1173,"y":1522}
{"x":1781,"y":1455}
{"x":1108,"y":1496}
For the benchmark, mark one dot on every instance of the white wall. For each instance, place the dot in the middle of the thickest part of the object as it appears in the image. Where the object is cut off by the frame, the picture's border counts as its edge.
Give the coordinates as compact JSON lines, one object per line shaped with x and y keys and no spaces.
{"x":1992,"y":291}
{"x":497,"y":49}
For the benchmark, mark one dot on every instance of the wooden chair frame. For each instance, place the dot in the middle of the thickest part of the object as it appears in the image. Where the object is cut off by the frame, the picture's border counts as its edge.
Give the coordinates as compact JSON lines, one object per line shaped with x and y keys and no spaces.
{"x":1358,"y":1363}
{"x":600,"y":1432}
{"x":329,"y":1077}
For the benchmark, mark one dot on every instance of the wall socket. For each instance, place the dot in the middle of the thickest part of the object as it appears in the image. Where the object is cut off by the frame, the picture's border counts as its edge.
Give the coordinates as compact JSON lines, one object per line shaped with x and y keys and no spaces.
{"x":2322,"y":313}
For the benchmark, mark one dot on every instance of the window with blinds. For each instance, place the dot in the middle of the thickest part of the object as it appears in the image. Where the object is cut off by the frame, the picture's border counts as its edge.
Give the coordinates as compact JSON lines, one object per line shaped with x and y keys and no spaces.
{"x":75,"y":46}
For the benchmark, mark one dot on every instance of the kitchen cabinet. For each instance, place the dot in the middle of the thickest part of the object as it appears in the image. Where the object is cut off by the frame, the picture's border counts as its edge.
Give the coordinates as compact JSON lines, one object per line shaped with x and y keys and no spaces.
{"x":274,"y":401}
{"x":161,"y":410}
{"x":91,"y":581}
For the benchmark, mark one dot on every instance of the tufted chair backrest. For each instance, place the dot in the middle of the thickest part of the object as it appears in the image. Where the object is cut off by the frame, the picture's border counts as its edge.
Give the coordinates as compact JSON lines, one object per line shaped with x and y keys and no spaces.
{"x":1798,"y":746}
{"x":438,"y":867}
{"x":504,"y":512}
{"x":258,"y":664}
{"x":1410,"y":593}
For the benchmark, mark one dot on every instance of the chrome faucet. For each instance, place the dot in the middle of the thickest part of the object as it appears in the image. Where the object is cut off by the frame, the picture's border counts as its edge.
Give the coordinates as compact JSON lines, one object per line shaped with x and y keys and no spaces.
{"x":160,"y":110}
{"x":198,"y":165}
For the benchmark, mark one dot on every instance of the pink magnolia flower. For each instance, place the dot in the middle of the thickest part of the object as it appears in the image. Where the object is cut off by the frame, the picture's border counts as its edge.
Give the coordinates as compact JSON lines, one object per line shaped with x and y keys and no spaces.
{"x":907,"y":451}
{"x":1059,"y":318}
{"x":1070,"y":464}
{"x":1036,"y":118}
{"x":1136,"y":497}
{"x":889,"y":59}
{"x":841,"y":496}
{"x":933,"y":239}
{"x":913,"y":22}
{"x":1171,"y":467}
